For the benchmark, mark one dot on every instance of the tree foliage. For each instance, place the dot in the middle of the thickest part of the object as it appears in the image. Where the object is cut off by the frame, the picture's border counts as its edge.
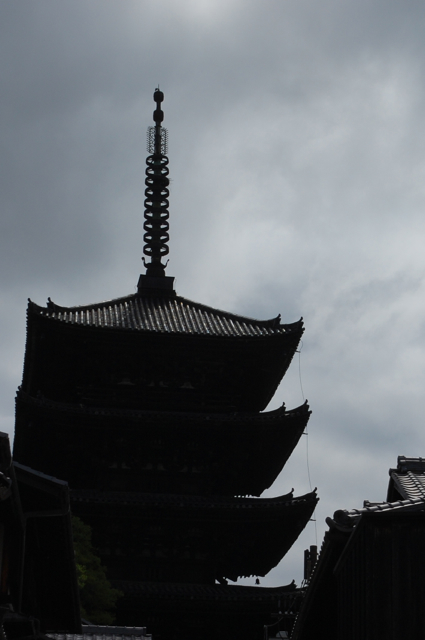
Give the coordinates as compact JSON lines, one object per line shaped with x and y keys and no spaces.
{"x":98,"y":598}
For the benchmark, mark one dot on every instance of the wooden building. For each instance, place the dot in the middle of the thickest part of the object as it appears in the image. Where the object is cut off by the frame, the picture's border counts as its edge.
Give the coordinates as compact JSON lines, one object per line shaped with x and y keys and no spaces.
{"x":150,"y":406}
{"x":368,"y":582}
{"x":38,"y":581}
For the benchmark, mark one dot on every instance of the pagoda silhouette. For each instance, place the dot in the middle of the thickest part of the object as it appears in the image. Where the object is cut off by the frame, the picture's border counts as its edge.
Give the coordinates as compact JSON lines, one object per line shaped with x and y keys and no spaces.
{"x":151,"y":407}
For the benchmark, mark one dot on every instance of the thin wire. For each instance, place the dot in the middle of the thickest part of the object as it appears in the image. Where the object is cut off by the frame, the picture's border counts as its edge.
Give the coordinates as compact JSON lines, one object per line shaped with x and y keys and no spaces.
{"x":306,"y":434}
{"x":308,"y":465}
{"x":299,"y":368}
{"x":309,"y":480}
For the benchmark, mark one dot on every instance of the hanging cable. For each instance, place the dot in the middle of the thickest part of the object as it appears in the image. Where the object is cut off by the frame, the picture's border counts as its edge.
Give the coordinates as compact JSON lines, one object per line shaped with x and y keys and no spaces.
{"x":299,"y":368}
{"x":306,"y":434}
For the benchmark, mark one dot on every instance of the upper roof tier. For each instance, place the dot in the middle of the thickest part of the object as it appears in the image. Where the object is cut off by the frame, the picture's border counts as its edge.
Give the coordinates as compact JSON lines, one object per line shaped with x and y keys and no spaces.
{"x":173,"y":315}
{"x":154,"y":350}
{"x":156,"y":353}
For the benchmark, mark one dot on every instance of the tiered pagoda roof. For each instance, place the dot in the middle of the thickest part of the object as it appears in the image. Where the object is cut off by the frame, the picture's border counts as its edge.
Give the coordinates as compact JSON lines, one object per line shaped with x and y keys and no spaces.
{"x":208,"y":611}
{"x":207,"y":538}
{"x":193,"y":356}
{"x":216,"y":599}
{"x":164,"y":314}
{"x":150,"y":406}
{"x":183,"y":452}
{"x":209,"y":592}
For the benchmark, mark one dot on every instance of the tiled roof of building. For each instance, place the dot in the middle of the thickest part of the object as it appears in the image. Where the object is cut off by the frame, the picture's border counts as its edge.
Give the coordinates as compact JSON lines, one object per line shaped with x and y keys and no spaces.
{"x":345,"y":519}
{"x":404,"y":464}
{"x":187,"y":501}
{"x":409,"y":477}
{"x":410,"y":485}
{"x":175,"y":315}
{"x":407,"y":482}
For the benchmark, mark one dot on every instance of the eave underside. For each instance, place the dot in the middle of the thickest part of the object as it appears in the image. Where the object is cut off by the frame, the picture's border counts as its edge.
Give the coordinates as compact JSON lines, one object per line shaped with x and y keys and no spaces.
{"x":191,"y":538}
{"x":147,"y":370}
{"x":194,"y":611}
{"x":223,"y":454}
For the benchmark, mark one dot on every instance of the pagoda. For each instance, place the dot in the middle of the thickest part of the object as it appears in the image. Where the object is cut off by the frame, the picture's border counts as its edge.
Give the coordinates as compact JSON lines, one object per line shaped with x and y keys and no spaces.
{"x":151,"y":407}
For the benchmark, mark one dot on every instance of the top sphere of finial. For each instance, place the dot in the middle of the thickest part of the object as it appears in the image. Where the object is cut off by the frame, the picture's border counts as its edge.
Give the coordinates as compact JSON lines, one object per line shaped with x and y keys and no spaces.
{"x":158,"y":96}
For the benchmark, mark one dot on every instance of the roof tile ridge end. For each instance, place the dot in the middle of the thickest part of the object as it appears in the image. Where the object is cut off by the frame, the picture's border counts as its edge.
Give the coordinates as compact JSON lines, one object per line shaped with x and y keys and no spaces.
{"x":302,"y":409}
{"x":52,"y":306}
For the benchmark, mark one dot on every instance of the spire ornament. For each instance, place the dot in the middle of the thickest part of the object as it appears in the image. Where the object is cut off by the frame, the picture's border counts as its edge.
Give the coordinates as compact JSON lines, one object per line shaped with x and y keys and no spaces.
{"x":156,"y":225}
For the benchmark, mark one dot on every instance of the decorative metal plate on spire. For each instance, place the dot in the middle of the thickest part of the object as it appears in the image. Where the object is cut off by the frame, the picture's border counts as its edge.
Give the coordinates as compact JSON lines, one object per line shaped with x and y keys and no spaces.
{"x":156,"y":225}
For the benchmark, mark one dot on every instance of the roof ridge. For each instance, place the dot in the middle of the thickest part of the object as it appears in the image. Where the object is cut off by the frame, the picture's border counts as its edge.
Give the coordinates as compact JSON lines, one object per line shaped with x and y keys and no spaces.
{"x":346,"y":519}
{"x":272,"y":323}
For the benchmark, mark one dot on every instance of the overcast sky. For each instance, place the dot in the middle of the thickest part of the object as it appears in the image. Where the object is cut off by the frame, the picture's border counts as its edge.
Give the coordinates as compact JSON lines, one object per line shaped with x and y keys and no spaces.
{"x":297,"y":161}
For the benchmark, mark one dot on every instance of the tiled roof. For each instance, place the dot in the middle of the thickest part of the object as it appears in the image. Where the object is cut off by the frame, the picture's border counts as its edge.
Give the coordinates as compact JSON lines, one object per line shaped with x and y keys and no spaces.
{"x":410,"y":485}
{"x":409,"y":477}
{"x":345,"y":519}
{"x":164,"y":315}
{"x":186,"y":501}
{"x":417,"y":465}
{"x":409,"y":482}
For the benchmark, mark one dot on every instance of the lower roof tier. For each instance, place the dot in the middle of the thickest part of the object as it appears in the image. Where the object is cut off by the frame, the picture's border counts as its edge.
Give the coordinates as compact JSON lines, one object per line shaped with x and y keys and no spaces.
{"x":236,"y":595}
{"x":127,"y":354}
{"x":191,"y":538}
{"x":195,"y":453}
{"x":194,"y":611}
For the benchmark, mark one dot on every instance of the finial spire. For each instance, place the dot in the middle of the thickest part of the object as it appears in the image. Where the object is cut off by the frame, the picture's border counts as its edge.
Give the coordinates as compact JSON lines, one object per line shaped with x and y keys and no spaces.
{"x":156,"y":224}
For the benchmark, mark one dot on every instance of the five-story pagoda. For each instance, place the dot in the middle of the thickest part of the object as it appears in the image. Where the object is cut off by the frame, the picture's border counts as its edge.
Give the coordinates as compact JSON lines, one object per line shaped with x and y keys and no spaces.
{"x":151,"y":407}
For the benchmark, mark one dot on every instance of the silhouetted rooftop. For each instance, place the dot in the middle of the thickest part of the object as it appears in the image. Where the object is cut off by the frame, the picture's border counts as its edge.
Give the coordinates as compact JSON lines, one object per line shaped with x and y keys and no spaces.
{"x":164,"y":315}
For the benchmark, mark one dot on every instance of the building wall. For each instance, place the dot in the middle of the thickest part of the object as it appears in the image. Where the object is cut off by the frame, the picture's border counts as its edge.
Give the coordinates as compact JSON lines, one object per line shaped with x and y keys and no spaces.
{"x":380,"y":579}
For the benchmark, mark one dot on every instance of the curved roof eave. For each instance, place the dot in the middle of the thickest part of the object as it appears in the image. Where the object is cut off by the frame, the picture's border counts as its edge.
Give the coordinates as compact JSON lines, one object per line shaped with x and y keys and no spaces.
{"x":190,"y":501}
{"x":164,"y":315}
{"x":275,"y":415}
{"x":206,"y":591}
